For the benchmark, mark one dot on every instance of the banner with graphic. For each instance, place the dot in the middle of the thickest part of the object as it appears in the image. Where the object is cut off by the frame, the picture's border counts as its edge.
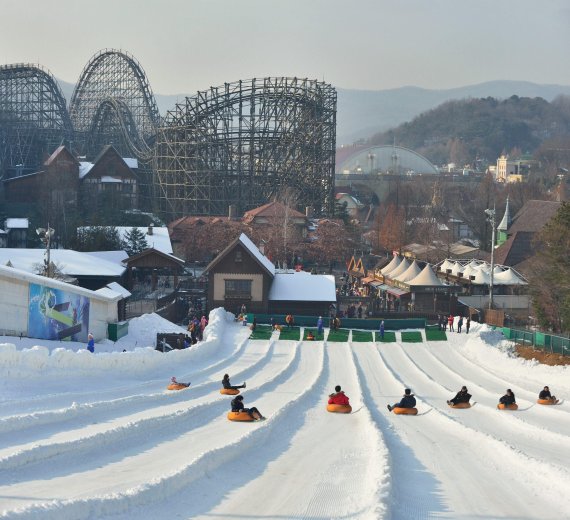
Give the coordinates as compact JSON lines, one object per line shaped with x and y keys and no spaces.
{"x":56,"y":314}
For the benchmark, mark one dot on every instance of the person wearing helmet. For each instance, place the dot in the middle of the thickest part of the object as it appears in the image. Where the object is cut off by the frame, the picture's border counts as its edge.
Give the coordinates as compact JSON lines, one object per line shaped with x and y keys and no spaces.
{"x":253,"y":412}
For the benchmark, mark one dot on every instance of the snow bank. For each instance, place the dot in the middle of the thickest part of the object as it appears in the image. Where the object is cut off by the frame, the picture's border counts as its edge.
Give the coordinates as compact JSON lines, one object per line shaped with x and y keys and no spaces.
{"x":17,"y":365}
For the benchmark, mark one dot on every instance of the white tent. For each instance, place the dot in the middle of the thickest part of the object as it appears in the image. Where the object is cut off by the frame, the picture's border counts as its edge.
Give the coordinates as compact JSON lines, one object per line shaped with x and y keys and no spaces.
{"x":401,"y":269}
{"x":426,"y":278}
{"x":445,"y":265}
{"x":456,"y":268}
{"x":410,"y":273}
{"x":508,"y":278}
{"x":482,"y":277}
{"x":469,"y":270}
{"x":391,"y":266}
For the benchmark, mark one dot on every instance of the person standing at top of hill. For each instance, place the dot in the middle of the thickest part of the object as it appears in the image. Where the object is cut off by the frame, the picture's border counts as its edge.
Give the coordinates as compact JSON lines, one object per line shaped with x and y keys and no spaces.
{"x":450,"y":323}
{"x":382,"y":328}
{"x":289,"y":320}
{"x":338,"y":396}
{"x":90,"y":343}
{"x":459,"y":324}
{"x":320,"y":326}
{"x":467,"y":324}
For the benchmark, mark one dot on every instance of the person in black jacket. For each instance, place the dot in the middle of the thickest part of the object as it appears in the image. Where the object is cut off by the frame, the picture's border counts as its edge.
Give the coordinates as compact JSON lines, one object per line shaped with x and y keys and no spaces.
{"x":228,"y":386}
{"x":508,"y":398}
{"x":545,"y":394}
{"x":253,"y":412}
{"x":461,"y":397}
{"x":407,"y":401}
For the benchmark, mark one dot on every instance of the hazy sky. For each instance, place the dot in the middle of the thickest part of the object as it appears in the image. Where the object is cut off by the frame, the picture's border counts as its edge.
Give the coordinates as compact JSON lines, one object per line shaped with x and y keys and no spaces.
{"x":187,"y":45}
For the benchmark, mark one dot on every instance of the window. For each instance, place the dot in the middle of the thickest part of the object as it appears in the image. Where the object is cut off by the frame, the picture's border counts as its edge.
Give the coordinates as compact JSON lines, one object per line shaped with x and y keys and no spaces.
{"x":238,"y":256}
{"x":238,"y":289}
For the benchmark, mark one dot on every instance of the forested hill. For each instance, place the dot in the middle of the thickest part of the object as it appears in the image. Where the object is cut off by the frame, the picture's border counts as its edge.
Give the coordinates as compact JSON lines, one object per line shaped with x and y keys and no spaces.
{"x":461,"y":131}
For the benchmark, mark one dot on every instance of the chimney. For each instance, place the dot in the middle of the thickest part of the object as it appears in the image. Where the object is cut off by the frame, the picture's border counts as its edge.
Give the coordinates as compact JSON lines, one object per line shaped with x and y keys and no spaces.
{"x":309,"y":212}
{"x":232,"y":212}
{"x":150,"y":229}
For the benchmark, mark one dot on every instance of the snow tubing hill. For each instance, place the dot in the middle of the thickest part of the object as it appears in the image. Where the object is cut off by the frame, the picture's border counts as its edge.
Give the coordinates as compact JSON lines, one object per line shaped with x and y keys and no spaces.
{"x":239,"y":417}
{"x":513,"y":406}
{"x":229,"y":391}
{"x":339,"y":408}
{"x":460,"y":405}
{"x":176,"y":386}
{"x":405,"y":411}
{"x":546,"y":401}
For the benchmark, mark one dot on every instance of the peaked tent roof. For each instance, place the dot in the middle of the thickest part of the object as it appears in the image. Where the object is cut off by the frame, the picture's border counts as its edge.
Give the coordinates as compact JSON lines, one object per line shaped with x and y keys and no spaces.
{"x":401,"y":269}
{"x":508,"y":277}
{"x":427,"y":278}
{"x":482,"y":277}
{"x":410,"y":273}
{"x":507,"y":220}
{"x":392,"y":265}
{"x":445,"y":265}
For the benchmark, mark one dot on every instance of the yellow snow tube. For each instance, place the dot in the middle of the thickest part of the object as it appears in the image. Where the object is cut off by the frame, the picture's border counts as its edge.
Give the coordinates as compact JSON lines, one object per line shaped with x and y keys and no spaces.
{"x":240,"y":416}
{"x":176,"y":386}
{"x":513,"y":406}
{"x":229,"y":391}
{"x":460,"y":405}
{"x":546,"y":401}
{"x":405,"y":411}
{"x":339,"y":408}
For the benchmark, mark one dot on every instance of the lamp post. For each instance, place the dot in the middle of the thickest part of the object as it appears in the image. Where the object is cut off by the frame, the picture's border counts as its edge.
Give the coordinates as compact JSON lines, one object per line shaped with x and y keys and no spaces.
{"x":45,"y":236}
{"x":491,"y":218}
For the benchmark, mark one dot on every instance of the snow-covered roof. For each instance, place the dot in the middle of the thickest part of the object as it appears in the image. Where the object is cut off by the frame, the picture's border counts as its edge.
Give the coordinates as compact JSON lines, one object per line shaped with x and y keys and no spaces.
{"x":20,"y":274}
{"x":17,"y":223}
{"x":410,"y":273}
{"x":395,"y":262}
{"x":109,"y":179}
{"x":84,"y":168}
{"x":71,"y":263}
{"x":303,"y":286}
{"x":253,"y":249}
{"x":131,"y":162}
{"x":426,"y":278}
{"x":508,"y":277}
{"x":116,"y":257}
{"x":118,"y":288}
{"x":401,"y":269}
{"x":159,"y":240}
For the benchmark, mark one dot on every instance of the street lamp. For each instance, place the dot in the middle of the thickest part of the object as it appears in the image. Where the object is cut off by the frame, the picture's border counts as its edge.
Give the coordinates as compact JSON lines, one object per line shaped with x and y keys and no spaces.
{"x":491,"y":218}
{"x":45,"y":236}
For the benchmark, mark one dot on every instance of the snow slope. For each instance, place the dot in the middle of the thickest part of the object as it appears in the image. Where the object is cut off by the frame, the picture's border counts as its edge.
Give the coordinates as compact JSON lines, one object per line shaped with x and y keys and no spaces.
{"x":87,"y":436}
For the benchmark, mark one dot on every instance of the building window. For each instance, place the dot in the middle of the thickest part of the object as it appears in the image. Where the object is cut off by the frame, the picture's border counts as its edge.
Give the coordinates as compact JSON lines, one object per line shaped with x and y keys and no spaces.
{"x":238,"y":256}
{"x":238,"y":289}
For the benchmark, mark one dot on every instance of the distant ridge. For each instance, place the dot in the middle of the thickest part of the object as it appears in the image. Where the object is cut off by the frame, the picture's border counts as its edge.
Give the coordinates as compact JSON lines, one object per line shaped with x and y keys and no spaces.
{"x":362,"y":113}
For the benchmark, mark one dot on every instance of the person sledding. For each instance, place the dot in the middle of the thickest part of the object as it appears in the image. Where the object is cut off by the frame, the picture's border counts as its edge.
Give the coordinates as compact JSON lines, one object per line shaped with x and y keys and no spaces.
{"x":310,"y":336}
{"x":338,"y":397}
{"x":508,"y":399}
{"x":408,"y":401}
{"x":253,"y":412}
{"x":228,"y":386}
{"x":461,"y":397}
{"x":545,"y":395}
{"x":173,"y":381}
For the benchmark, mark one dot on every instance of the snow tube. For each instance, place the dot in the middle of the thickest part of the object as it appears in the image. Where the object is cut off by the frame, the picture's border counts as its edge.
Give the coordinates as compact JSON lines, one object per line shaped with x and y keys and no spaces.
{"x":405,"y":411}
{"x":513,"y":406}
{"x":460,"y":405}
{"x":339,"y":408}
{"x":176,"y":386}
{"x":229,"y":391}
{"x":239,"y":416}
{"x":546,"y":401}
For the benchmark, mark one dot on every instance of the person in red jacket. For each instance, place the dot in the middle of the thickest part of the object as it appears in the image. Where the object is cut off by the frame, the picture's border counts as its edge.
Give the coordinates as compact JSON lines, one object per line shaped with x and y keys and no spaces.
{"x":338,"y":396}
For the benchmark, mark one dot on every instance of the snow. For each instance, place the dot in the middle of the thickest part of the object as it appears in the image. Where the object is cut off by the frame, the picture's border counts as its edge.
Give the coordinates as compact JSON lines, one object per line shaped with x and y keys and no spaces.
{"x":159,"y":240}
{"x":17,"y":223}
{"x":253,"y":249}
{"x":86,"y":436}
{"x":84,"y":168}
{"x":303,"y":286}
{"x":131,"y":162}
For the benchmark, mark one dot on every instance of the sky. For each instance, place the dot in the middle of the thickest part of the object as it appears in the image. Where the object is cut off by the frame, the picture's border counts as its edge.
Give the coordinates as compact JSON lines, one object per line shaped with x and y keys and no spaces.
{"x":190,"y":45}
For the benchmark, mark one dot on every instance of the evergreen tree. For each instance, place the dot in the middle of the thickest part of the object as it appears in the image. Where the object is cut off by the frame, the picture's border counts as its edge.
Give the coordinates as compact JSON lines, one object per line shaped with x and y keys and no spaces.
{"x":134,"y":242}
{"x":97,"y":238}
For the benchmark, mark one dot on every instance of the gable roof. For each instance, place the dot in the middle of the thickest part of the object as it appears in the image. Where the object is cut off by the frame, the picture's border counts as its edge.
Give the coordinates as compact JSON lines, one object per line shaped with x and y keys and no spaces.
{"x":270,"y":210}
{"x":251,"y":248}
{"x":108,"y":149}
{"x":534,"y":215}
{"x":57,"y":152}
{"x":157,"y":252}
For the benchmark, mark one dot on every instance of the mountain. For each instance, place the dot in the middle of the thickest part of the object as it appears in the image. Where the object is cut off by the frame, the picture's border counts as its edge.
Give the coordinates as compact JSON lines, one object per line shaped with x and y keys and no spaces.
{"x":363,"y":113}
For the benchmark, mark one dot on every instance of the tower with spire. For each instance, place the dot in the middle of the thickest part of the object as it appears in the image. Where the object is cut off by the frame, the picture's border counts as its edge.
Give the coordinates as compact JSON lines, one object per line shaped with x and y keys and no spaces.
{"x":504,"y":225}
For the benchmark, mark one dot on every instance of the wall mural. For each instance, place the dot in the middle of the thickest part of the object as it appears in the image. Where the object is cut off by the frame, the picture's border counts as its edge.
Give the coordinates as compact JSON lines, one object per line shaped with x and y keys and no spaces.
{"x":57,"y":315}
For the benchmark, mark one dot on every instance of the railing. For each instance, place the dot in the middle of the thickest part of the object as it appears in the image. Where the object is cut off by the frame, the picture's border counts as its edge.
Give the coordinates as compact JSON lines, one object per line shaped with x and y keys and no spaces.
{"x":539,"y":340}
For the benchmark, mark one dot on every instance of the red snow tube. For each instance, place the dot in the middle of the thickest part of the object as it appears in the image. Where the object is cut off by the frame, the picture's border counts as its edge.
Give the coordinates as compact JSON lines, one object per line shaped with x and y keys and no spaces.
{"x":240,"y":416}
{"x":513,"y":406}
{"x":229,"y":391}
{"x":460,"y":405}
{"x":405,"y":411}
{"x":176,"y":386}
{"x":547,"y":401}
{"x":339,"y":408}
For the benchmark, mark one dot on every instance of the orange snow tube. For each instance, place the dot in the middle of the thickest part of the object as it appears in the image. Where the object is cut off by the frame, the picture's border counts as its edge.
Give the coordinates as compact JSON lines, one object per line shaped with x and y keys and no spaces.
{"x":229,"y":391}
{"x":405,"y":411}
{"x":239,"y":416}
{"x":460,"y":405}
{"x":513,"y":406}
{"x":546,"y":401}
{"x":176,"y":386}
{"x":339,"y":408}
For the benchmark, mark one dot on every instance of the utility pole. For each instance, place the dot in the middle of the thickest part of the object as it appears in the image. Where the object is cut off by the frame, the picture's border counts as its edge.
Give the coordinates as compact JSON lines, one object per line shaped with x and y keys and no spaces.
{"x":45,"y":236}
{"x":491,"y":218}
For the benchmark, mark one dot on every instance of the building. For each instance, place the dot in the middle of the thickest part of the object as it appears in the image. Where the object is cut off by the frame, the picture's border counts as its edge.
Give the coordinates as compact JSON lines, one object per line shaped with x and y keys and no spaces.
{"x":16,"y":232}
{"x":514,"y":170}
{"x":264,"y":218}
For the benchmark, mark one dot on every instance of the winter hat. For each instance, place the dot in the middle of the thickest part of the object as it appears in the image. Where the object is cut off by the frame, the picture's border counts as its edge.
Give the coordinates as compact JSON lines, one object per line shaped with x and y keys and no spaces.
{"x":407,"y":391}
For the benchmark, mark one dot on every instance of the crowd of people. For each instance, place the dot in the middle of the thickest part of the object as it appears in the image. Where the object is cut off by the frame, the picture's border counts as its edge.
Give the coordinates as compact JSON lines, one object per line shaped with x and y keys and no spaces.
{"x":445,"y":323}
